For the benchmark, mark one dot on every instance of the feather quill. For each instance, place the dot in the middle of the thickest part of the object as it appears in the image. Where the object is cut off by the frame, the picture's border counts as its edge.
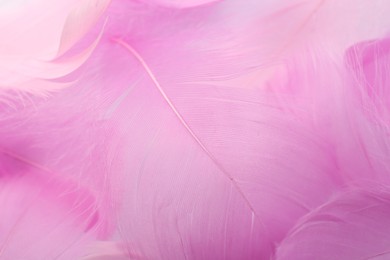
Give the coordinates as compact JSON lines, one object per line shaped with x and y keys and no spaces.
{"x":192,"y":129}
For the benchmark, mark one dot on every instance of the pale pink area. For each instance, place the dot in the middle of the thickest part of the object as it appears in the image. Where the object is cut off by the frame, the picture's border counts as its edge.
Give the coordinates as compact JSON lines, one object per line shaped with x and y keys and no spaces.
{"x":42,"y":217}
{"x":36,"y":33}
{"x":353,"y":225}
{"x":181,"y":3}
{"x":194,"y":130}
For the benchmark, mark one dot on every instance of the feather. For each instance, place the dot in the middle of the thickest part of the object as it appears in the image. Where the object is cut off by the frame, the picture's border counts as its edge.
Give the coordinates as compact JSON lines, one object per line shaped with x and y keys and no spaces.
{"x":107,"y":250}
{"x":49,"y":35}
{"x":353,"y":225}
{"x":46,"y":217}
{"x":180,"y":3}
{"x":196,"y":130}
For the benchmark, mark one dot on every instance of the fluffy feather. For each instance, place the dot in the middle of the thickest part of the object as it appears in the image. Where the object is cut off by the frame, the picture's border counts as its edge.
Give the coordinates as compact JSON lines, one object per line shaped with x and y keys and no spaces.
{"x":353,"y":225}
{"x":34,"y":40}
{"x":192,"y":133}
{"x":47,"y":217}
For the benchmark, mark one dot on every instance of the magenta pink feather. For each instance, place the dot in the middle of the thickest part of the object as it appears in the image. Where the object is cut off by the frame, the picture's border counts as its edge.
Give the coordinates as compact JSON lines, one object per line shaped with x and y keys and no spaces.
{"x":194,"y":129}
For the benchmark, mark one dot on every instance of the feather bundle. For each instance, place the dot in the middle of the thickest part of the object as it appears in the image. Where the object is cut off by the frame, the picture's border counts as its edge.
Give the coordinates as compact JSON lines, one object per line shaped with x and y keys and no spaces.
{"x":199,"y":129}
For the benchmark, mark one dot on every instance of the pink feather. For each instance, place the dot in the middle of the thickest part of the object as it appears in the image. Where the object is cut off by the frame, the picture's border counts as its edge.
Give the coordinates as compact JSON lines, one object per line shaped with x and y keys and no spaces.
{"x":353,"y":225}
{"x":36,"y":39}
{"x":180,"y":3}
{"x":194,"y":129}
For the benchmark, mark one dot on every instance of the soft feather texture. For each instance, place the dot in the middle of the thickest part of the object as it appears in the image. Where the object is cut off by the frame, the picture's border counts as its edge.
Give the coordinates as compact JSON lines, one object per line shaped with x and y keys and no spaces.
{"x":33,"y":40}
{"x":354,"y":225}
{"x":195,"y":130}
{"x":180,"y":3}
{"x":42,"y":217}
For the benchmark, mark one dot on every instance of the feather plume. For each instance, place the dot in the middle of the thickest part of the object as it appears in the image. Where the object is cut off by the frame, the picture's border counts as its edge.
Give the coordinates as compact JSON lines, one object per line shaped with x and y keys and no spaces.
{"x":193,"y":129}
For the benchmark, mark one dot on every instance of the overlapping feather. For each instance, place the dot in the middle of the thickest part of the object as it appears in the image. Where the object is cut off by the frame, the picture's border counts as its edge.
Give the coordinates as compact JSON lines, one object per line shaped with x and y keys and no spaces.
{"x":193,"y":130}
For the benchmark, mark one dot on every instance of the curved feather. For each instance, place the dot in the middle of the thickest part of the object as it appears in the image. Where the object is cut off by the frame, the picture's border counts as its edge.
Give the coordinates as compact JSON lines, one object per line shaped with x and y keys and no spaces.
{"x":179,"y":139}
{"x":354,"y":225}
{"x":33,"y":33}
{"x":49,"y":218}
{"x":189,"y":137}
{"x":35,"y":40}
{"x":198,"y":146}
